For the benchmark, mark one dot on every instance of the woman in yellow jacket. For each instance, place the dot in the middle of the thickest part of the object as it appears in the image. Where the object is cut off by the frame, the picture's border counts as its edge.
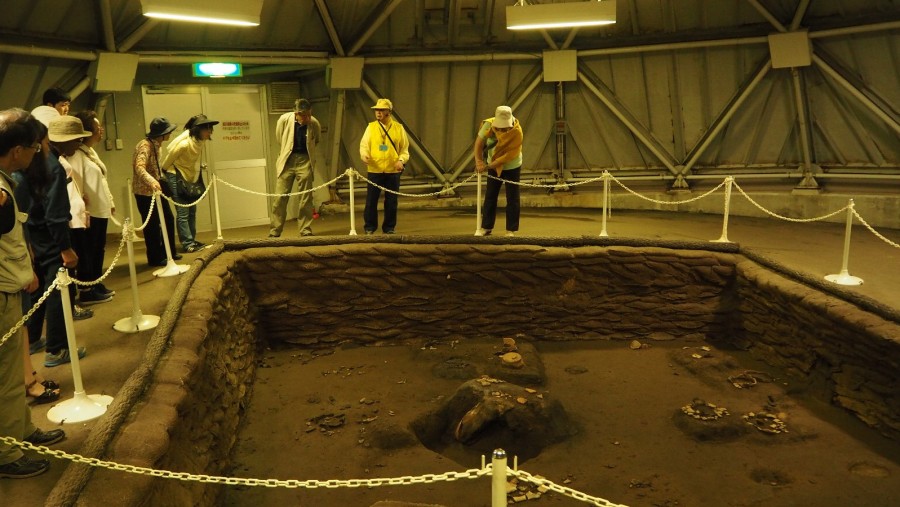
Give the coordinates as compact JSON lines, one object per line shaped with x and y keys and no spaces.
{"x":183,"y":153}
{"x":384,"y":149}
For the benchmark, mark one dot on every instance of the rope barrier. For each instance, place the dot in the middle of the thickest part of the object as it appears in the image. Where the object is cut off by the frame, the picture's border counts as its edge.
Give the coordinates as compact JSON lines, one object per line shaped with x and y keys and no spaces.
{"x":782,"y":217}
{"x":872,"y":230}
{"x":266,"y":194}
{"x":442,"y":191}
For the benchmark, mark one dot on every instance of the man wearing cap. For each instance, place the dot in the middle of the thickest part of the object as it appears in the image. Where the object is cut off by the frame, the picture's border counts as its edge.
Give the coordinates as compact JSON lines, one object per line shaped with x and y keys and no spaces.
{"x":299,"y":133}
{"x":498,"y":148}
{"x":18,"y":146}
{"x":147,"y":181}
{"x":384,"y":149}
{"x":183,"y":154}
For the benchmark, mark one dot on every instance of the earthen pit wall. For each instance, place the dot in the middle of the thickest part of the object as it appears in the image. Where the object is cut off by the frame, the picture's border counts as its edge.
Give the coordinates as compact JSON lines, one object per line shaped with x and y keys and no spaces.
{"x":320,"y":295}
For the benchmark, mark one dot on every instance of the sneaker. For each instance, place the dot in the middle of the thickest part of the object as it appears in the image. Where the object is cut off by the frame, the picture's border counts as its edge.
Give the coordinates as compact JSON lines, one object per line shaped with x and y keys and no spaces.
{"x":482,"y":232}
{"x":34,"y":348}
{"x":369,"y":233}
{"x":62,"y":357}
{"x":93,"y":296}
{"x":274,"y":235}
{"x":41,"y":437}
{"x":390,"y":232}
{"x":193,"y":248}
{"x":306,"y":233}
{"x":24,"y":468}
{"x":103,"y":290}
{"x":79,"y":313}
{"x":510,"y":234}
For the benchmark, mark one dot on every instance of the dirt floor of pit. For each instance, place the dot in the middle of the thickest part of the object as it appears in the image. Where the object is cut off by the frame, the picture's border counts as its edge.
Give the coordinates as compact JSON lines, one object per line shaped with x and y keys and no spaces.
{"x":629,"y":449}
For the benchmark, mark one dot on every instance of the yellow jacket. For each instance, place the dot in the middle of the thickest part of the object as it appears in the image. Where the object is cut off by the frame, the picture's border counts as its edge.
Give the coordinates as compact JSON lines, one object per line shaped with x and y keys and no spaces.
{"x":183,"y":152}
{"x":376,"y":145}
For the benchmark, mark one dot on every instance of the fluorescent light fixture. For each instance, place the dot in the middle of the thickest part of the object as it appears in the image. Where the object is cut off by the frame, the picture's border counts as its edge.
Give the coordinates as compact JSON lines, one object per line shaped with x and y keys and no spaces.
{"x":560,"y":15}
{"x":218,"y":69}
{"x":220,"y":12}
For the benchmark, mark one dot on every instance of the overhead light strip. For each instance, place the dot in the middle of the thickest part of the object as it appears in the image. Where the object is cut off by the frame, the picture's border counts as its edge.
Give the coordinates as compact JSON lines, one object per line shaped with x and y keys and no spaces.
{"x":199,"y":19}
{"x":561,"y":15}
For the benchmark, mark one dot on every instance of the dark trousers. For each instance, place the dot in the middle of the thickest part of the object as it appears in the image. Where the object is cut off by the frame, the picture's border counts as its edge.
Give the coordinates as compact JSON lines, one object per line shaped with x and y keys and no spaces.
{"x":82,"y":247}
{"x":51,"y":310}
{"x":390,"y":181}
{"x":96,"y":238}
{"x":489,"y":210}
{"x":156,"y":250}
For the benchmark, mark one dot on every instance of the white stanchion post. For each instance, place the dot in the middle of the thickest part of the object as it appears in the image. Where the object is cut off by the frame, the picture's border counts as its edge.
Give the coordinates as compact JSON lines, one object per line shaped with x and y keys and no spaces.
{"x":603,"y":233}
{"x":82,"y":407}
{"x":478,"y":205}
{"x":352,"y":202}
{"x":138,"y":321}
{"x":844,"y":277}
{"x":171,"y":268}
{"x":498,"y":478}
{"x":724,"y":237}
{"x":215,"y":191}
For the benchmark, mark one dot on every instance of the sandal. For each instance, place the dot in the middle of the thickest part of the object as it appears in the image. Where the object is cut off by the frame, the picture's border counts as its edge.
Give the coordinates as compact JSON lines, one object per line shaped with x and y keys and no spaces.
{"x":48,"y":396}
{"x":49,"y":384}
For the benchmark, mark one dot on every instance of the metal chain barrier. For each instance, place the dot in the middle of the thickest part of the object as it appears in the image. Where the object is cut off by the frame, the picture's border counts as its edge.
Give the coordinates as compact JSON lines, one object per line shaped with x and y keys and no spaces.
{"x":28,"y":315}
{"x":872,"y":230}
{"x":112,"y":265}
{"x":473,"y":473}
{"x":656,"y":201}
{"x":563,"y":490}
{"x":782,"y":217}
{"x":241,"y":189}
{"x":431,"y":194}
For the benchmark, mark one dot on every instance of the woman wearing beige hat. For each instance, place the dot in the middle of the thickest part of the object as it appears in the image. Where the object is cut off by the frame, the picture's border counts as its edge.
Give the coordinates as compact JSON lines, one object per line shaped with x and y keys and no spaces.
{"x":498,"y":149}
{"x":384,"y":149}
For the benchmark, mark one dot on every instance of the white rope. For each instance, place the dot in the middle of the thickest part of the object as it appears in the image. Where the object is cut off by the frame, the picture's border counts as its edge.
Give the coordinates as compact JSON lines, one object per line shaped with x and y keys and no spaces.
{"x":558,"y":184}
{"x":782,"y":217}
{"x":442,"y":191}
{"x":656,"y":201}
{"x":254,"y":192}
{"x":873,"y":231}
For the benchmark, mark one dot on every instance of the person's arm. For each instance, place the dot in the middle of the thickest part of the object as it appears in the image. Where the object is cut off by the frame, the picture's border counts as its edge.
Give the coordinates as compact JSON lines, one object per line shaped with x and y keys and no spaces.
{"x":7,"y":212}
{"x":141,"y":159}
{"x":364,"y":147}
{"x":279,"y":127}
{"x":404,"y":146}
{"x":57,"y":213}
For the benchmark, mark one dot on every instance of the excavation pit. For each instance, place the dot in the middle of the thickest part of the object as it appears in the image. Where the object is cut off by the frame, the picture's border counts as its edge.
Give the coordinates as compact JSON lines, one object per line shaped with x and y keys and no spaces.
{"x":350,"y":308}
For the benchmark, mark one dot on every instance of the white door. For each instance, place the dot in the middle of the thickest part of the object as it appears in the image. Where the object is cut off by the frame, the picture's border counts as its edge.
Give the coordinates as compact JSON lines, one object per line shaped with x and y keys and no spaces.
{"x":237,"y":152}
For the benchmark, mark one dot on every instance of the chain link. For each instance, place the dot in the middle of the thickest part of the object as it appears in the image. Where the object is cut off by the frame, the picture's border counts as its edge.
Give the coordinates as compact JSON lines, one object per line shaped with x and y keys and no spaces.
{"x":782,"y":217}
{"x":563,"y":490}
{"x":873,"y":231}
{"x":30,"y":312}
{"x":473,"y":473}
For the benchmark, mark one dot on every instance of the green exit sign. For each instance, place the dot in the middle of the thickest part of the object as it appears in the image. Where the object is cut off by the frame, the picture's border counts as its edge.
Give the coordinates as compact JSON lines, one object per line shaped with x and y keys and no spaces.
{"x":218,"y":69}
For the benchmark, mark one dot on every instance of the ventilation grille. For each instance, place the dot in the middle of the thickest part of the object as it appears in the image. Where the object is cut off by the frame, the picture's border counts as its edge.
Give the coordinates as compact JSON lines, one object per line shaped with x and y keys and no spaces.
{"x":282,"y":96}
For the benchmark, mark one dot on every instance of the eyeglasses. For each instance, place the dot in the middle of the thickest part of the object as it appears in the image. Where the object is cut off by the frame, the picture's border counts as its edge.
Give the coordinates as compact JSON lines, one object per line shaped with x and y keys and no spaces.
{"x":36,"y":147}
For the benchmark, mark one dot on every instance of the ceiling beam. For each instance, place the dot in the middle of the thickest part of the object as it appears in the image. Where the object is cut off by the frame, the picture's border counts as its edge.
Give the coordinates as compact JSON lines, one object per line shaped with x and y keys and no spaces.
{"x":328,"y":21}
{"x":385,"y":13}
{"x":768,"y":15}
{"x":109,"y":36}
{"x":138,"y":34}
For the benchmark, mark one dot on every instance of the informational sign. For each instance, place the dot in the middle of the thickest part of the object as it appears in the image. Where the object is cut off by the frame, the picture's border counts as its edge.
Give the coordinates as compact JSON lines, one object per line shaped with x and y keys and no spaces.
{"x":235,"y":130}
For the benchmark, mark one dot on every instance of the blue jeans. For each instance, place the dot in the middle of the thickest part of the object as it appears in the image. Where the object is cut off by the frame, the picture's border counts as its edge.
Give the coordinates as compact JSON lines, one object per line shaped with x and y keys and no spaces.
{"x":185,"y":218}
{"x":390,"y":181}
{"x":489,"y":209}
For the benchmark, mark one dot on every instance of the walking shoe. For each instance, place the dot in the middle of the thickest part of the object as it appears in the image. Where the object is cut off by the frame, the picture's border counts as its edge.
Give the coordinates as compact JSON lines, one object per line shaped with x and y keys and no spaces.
{"x":41,"y":437}
{"x":24,"y":468}
{"x":103,"y":290}
{"x":34,"y":348}
{"x":369,"y":233}
{"x":93,"y":296}
{"x":62,"y":357}
{"x":306,"y":233}
{"x":192,"y":248}
{"x":483,"y":232}
{"x":510,"y":234}
{"x":391,"y":231}
{"x":79,"y":313}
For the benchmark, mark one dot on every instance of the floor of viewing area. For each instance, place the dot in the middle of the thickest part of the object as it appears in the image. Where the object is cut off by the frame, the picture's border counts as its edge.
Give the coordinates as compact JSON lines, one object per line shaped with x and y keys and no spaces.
{"x":814,"y":249}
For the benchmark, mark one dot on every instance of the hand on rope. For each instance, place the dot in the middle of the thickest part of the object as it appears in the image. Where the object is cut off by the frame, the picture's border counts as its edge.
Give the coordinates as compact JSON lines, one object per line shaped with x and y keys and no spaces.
{"x":323,"y":185}
{"x":30,"y":312}
{"x":782,"y":217}
{"x":431,"y":194}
